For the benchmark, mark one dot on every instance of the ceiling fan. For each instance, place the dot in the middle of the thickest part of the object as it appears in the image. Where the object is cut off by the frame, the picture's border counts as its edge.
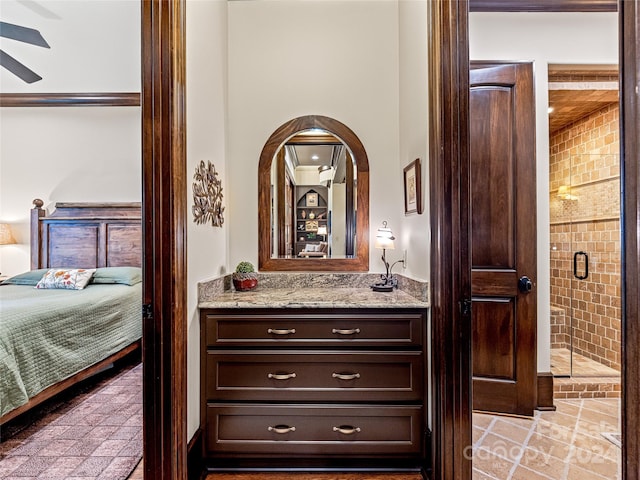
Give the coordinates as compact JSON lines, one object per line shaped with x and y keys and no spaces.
{"x":24,"y":35}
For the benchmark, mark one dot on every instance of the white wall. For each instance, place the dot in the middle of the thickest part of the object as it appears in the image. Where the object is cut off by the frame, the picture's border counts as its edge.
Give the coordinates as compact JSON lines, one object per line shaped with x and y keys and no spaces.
{"x":414,"y":234}
{"x":292,"y":58}
{"x":94,"y":45}
{"x":69,"y":153}
{"x":544,"y":38}
{"x":206,"y":112}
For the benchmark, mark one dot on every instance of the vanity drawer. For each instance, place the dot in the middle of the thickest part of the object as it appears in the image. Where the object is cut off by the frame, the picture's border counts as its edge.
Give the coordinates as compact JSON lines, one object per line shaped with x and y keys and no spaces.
{"x":314,"y":328}
{"x":284,"y":430}
{"x":321,"y":376}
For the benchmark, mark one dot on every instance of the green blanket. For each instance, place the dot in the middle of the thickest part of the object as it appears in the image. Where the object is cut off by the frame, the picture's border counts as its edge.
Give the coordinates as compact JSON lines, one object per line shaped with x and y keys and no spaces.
{"x":49,"y":335}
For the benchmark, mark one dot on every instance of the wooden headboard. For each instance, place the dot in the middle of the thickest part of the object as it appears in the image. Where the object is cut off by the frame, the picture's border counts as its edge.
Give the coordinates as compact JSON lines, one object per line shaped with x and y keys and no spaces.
{"x":86,"y":235}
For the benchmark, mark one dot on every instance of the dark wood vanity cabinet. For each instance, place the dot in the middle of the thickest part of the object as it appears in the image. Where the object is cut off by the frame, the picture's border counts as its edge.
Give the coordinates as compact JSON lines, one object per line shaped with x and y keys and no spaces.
{"x":283,"y":385}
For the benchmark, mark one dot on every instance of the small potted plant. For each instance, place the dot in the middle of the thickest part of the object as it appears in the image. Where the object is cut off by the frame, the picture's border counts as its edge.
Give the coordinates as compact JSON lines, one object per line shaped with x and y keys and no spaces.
{"x":245,"y":277}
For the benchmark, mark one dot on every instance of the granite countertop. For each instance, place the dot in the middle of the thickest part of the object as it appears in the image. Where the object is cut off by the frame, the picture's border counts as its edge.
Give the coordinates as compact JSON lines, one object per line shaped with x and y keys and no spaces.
{"x":313,"y":297}
{"x":280,"y":290}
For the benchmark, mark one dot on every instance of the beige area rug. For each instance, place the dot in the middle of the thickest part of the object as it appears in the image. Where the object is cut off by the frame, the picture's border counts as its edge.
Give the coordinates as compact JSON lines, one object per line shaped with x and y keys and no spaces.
{"x":94,"y":435}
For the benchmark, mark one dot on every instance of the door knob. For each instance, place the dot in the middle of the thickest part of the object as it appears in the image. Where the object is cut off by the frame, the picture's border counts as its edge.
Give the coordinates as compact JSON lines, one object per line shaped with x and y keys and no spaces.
{"x":524,"y":284}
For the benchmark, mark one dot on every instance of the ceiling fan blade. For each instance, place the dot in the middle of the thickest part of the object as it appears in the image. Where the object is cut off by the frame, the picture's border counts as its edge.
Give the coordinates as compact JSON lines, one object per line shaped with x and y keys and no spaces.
{"x":39,"y":9}
{"x":22,"y":34}
{"x":17,"y":68}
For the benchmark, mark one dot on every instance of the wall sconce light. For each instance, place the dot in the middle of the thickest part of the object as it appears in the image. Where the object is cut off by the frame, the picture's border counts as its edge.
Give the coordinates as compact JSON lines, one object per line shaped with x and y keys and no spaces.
{"x":322,"y":230}
{"x":564,"y":193}
{"x":385,"y":240}
{"x":6,"y":238}
{"x":325,"y":175}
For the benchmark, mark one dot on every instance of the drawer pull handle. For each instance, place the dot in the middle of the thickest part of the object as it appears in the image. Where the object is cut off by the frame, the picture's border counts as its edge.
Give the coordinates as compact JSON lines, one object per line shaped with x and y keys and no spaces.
{"x":282,"y":429}
{"x":281,"y":331}
{"x":345,"y":331}
{"x":346,"y":429}
{"x":282,"y":376}
{"x":345,"y":376}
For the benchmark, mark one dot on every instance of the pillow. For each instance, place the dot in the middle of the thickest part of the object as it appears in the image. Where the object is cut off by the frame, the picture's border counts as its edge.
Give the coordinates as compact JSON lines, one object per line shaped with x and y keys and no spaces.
{"x":123,"y":275}
{"x":310,"y":248}
{"x":31,"y":277}
{"x":66,"y":278}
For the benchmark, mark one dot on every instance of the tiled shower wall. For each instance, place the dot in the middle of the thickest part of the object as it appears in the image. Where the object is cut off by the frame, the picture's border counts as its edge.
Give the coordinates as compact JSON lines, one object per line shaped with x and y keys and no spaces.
{"x":585,"y":157}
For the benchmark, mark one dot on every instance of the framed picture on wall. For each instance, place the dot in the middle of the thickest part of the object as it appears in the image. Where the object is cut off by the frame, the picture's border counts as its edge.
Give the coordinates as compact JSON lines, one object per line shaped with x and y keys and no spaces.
{"x":312,"y":200}
{"x":412,"y":188}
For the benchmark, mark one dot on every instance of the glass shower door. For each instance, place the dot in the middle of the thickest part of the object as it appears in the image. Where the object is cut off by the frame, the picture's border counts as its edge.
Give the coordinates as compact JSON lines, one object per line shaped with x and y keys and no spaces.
{"x":585,"y":269}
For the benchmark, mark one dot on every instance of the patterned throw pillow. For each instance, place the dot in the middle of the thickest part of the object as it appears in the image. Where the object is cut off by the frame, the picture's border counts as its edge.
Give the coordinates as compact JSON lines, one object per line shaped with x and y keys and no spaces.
{"x":67,"y":278}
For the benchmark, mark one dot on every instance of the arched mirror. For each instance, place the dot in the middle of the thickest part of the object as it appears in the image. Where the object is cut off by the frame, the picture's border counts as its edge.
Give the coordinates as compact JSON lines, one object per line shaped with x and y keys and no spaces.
{"x":313,"y":198}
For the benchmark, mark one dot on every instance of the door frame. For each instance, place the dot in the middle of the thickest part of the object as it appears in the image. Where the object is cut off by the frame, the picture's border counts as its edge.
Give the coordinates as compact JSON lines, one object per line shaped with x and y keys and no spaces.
{"x":629,"y":35}
{"x":164,"y":221}
{"x":449,"y":194}
{"x":450,"y":262}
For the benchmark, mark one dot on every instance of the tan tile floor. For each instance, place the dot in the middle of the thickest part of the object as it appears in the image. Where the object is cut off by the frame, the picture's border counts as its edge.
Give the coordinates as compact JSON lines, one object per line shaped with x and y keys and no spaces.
{"x":567,"y":444}
{"x":561,"y":365}
{"x":590,"y":380}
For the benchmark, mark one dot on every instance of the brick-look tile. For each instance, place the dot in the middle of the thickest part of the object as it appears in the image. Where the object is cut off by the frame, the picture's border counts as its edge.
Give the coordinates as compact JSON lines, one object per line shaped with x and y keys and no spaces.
{"x":595,"y":138}
{"x":71,"y":444}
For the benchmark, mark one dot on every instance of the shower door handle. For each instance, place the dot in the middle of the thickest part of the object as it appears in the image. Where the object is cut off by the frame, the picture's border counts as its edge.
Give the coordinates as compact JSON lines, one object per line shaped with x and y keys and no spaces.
{"x":575,"y":265}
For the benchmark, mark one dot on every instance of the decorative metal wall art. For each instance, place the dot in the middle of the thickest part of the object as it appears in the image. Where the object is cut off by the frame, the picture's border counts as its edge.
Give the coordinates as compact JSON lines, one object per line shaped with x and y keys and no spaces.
{"x":207,"y":195}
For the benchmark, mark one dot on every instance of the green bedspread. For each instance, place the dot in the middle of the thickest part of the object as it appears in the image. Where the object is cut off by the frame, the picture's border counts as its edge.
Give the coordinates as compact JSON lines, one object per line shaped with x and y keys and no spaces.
{"x":49,"y":335}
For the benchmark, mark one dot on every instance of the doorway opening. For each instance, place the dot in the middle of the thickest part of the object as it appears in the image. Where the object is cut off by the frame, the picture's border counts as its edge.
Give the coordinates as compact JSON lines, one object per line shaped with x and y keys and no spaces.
{"x":585,"y":235}
{"x":585,"y":300}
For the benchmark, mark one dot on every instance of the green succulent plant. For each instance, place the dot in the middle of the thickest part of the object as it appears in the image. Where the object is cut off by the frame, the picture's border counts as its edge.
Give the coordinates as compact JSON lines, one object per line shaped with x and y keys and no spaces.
{"x":245,"y":272}
{"x":245,"y":267}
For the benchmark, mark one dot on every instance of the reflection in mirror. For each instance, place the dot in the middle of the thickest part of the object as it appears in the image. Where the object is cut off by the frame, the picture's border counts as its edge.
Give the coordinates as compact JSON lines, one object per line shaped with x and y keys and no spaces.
{"x":313,"y":182}
{"x":317,"y":188}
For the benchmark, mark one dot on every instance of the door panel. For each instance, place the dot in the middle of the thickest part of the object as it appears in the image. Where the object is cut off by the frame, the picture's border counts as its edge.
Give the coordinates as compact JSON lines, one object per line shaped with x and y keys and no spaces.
{"x":494,"y":338}
{"x":492,"y":225}
{"x":503,"y":238}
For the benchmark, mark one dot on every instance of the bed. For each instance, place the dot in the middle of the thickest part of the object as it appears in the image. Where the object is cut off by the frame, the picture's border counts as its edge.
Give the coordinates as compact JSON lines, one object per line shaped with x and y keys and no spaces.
{"x":52,"y":338}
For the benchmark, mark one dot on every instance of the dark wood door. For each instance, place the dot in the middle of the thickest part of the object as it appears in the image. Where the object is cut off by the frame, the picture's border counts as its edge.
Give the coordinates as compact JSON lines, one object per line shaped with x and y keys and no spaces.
{"x":503,"y":238}
{"x":289,"y":213}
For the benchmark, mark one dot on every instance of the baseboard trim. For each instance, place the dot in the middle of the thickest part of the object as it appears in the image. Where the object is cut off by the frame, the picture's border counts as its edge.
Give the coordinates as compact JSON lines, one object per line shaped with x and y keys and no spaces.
{"x":195,"y":465}
{"x":545,"y":392}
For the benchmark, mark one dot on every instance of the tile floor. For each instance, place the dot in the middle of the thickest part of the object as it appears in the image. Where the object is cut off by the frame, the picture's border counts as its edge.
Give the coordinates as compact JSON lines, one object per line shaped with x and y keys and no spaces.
{"x":590,"y":380}
{"x":561,"y":365}
{"x":567,"y":444}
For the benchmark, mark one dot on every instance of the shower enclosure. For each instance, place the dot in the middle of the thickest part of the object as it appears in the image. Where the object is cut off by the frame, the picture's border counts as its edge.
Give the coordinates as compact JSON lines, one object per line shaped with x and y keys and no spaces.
{"x":585,"y":266}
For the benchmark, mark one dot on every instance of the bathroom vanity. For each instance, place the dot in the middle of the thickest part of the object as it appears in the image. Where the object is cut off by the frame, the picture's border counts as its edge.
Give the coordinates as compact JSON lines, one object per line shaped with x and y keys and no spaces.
{"x":307,"y":376}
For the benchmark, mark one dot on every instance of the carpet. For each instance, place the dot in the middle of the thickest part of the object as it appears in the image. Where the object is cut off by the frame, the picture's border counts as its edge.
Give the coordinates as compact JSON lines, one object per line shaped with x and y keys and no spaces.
{"x":96,"y":434}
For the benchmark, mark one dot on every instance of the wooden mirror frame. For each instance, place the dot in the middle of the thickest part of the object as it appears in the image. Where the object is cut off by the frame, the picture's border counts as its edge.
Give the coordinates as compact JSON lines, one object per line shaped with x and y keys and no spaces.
{"x":360,"y":262}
